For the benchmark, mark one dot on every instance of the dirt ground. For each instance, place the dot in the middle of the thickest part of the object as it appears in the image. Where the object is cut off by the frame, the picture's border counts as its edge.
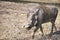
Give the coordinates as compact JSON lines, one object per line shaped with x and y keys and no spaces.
{"x":14,"y":15}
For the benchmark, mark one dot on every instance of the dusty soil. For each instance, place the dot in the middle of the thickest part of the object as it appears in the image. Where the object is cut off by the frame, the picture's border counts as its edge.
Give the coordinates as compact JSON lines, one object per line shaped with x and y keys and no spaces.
{"x":13,"y":16}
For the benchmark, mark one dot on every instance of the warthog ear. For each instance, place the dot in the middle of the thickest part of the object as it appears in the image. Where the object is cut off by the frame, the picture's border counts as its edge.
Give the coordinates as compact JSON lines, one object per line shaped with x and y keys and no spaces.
{"x":35,"y":11}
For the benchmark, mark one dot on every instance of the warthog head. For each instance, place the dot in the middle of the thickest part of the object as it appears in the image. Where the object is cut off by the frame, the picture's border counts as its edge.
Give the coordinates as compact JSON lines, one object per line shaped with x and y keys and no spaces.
{"x":31,"y":18}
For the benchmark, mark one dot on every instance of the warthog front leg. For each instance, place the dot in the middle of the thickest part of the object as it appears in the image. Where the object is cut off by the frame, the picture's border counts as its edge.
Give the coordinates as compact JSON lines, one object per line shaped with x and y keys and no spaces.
{"x":35,"y":32}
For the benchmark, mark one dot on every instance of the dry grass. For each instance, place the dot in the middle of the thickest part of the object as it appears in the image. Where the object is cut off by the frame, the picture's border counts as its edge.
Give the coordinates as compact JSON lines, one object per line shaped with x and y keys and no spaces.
{"x":13,"y":17}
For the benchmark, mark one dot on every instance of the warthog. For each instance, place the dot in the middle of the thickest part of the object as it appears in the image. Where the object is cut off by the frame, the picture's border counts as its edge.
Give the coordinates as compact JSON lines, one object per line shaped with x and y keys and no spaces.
{"x":43,"y":14}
